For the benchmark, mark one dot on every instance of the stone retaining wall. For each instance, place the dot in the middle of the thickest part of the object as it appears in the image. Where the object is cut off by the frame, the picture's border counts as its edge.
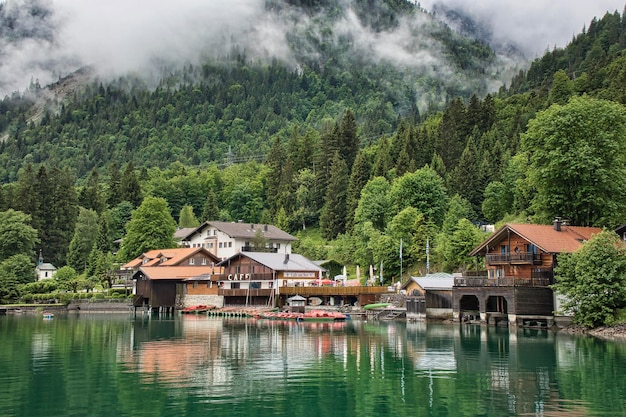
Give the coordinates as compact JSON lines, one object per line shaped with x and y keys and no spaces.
{"x":204,"y":300}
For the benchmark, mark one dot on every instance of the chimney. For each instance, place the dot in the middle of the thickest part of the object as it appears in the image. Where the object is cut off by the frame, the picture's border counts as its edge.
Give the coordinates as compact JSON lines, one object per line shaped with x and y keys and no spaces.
{"x":286,"y":258}
{"x":252,"y":226}
{"x":557,"y":224}
{"x":265,"y":228}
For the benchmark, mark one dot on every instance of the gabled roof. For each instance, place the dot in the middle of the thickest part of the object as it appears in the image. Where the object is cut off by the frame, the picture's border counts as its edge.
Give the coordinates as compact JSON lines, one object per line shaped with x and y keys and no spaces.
{"x":544,"y":236}
{"x":243,"y":230}
{"x":166,"y":257}
{"x":436,"y":281}
{"x":279,"y":261}
{"x":183,"y":231}
{"x":174,"y":272}
{"x":46,"y":267}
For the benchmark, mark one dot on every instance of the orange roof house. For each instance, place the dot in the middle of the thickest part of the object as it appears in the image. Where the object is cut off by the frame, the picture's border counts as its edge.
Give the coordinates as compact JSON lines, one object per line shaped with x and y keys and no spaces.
{"x":159,"y":274}
{"x":519,"y":262}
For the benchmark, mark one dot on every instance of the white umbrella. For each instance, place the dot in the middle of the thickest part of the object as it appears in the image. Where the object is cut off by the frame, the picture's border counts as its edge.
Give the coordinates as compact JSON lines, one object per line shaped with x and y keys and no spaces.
{"x":358,"y":273}
{"x":345,"y":273}
{"x":371,"y":274}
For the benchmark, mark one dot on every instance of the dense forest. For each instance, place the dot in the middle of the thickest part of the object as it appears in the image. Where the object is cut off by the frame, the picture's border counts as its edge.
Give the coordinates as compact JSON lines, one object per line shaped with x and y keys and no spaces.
{"x":352,"y":158}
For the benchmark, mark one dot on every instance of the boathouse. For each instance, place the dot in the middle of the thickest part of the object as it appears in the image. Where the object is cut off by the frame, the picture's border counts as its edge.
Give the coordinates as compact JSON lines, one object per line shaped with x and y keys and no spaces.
{"x":158,"y":275}
{"x":514,"y":286}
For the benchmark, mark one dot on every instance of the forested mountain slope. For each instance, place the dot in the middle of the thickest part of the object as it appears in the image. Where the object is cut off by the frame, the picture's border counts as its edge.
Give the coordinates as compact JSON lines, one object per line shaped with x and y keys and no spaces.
{"x":384,"y":59}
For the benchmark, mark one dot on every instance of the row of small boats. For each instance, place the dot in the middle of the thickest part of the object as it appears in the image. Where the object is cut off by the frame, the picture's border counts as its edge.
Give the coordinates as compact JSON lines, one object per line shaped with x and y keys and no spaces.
{"x":313,"y":315}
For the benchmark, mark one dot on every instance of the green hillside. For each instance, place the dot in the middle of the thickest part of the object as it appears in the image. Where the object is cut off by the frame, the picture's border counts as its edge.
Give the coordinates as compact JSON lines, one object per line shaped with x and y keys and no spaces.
{"x":238,"y":101}
{"x":336,"y":144}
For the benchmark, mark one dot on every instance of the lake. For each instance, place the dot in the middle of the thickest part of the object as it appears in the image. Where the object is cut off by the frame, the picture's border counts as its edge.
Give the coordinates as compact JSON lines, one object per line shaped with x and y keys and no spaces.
{"x":122,"y":365}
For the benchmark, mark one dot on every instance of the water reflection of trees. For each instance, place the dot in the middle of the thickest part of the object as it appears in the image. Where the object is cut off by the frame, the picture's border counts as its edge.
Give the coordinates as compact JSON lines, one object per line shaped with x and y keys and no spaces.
{"x":285,"y":368}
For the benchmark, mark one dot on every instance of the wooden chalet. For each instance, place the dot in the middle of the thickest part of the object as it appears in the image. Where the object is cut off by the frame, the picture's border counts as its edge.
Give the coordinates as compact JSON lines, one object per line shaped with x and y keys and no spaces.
{"x":269,"y":279}
{"x":515,"y":287}
{"x":159,"y":275}
{"x":253,"y":278}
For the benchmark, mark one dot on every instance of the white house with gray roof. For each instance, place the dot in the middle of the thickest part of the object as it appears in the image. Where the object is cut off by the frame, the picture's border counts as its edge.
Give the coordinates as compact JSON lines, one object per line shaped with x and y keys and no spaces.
{"x":225,"y":239}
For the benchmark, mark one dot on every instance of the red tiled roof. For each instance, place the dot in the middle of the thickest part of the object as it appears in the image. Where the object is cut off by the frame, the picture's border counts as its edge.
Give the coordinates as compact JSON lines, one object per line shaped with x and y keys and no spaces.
{"x":544,"y":236}
{"x":173,"y":257}
{"x":174,"y":272}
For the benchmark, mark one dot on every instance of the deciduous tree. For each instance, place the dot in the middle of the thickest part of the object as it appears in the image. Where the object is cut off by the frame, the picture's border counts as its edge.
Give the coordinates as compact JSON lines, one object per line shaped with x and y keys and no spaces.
{"x":593,"y":280}
{"x":151,"y":227}
{"x":578,"y":162}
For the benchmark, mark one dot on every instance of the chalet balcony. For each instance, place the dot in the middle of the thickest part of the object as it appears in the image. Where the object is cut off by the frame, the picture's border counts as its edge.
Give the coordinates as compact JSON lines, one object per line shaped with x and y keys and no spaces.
{"x":330,"y":291}
{"x":255,"y":249}
{"x":519,"y":258}
{"x":240,"y":292}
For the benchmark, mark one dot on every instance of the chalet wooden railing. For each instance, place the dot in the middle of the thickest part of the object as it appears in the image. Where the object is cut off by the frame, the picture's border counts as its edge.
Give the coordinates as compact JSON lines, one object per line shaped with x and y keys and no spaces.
{"x":315,"y":291}
{"x":502,"y":282}
{"x":513,"y":257}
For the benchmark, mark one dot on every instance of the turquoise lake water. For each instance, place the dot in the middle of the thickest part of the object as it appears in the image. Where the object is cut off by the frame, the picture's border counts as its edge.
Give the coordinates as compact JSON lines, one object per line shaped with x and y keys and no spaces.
{"x":121,"y":365}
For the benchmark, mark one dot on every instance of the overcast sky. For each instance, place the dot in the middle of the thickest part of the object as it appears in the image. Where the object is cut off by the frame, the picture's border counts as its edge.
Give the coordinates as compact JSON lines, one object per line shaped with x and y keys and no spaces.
{"x":127,"y":35}
{"x":534,"y":25}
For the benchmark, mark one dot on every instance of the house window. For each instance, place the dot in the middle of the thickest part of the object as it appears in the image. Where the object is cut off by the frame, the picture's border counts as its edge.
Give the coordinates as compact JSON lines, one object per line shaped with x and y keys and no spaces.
{"x":192,"y":261}
{"x":237,"y":270}
{"x":195,"y":284}
{"x":235,"y":285}
{"x":504,"y":249}
{"x":278,"y":246}
{"x":252,"y":269}
{"x":203,"y":261}
{"x":255,"y":285}
{"x":211,"y":245}
{"x":209,"y":284}
{"x":530,"y":248}
{"x":220,"y":245}
{"x":230,"y":244}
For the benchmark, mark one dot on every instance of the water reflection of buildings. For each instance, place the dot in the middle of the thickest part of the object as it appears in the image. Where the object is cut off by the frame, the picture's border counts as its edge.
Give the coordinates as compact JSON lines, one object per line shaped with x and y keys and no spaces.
{"x":521,"y":369}
{"x":513,"y":371}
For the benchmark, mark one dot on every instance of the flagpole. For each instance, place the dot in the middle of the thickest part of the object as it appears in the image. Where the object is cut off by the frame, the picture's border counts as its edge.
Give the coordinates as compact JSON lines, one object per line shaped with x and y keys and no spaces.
{"x":400,"y":260}
{"x":427,"y":257}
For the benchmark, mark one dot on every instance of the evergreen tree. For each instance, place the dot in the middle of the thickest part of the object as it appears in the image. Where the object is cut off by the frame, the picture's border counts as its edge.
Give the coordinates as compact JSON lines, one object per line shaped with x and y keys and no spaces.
{"x":452,"y":134}
{"x":333,"y":216}
{"x":114,"y":192}
{"x":350,"y":142}
{"x":91,"y":196}
{"x":358,"y":178}
{"x":382,"y":162}
{"x":210,"y":211}
{"x":465,"y":178}
{"x":84,"y":239}
{"x":103,"y":241}
{"x":26,"y":199}
{"x":130,"y":189}
{"x":64,"y":209}
{"x":329,"y":145}
{"x":275,"y":162}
